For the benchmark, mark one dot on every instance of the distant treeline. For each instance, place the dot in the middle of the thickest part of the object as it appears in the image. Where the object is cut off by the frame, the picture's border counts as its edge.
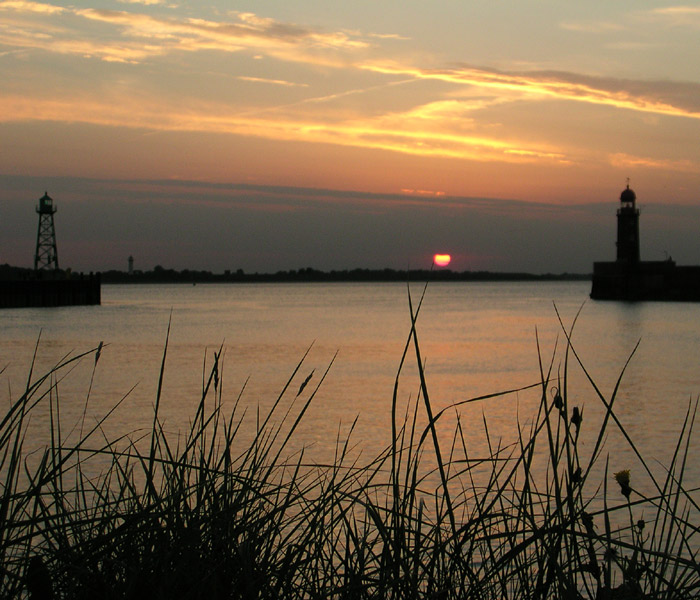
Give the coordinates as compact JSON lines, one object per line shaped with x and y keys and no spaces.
{"x":162,"y":275}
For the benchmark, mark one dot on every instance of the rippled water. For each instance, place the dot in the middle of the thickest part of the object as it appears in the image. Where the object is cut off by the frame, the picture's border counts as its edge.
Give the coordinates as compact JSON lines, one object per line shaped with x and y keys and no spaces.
{"x":475,"y":339}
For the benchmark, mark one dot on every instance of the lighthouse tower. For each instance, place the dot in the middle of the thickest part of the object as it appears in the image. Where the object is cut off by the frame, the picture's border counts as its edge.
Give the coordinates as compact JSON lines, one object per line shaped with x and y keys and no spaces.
{"x":628,"y":228}
{"x":46,"y":256}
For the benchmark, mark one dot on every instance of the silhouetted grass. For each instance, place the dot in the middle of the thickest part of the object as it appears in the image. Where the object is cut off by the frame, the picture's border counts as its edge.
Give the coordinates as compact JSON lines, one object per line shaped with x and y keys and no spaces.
{"x":206,"y":516}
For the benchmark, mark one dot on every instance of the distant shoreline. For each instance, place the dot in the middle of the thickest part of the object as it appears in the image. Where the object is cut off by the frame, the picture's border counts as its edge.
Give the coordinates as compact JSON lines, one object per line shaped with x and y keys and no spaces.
{"x":306,"y":275}
{"x":309,"y":275}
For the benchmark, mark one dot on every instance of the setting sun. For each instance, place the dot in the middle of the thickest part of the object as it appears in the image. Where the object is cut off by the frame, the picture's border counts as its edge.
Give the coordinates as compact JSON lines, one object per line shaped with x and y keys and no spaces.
{"x":442,"y":260}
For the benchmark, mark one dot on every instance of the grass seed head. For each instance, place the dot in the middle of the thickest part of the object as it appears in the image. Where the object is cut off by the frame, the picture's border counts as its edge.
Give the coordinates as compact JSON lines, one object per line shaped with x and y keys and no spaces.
{"x":623,"y":480}
{"x":576,"y":418}
{"x":558,"y":400}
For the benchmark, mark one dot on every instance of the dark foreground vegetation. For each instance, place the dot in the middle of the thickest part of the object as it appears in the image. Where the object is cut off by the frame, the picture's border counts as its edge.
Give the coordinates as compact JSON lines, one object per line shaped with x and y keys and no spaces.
{"x":204,"y":516}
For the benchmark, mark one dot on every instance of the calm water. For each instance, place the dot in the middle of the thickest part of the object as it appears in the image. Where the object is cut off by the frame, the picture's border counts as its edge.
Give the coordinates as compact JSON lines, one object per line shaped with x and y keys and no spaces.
{"x":474,"y":339}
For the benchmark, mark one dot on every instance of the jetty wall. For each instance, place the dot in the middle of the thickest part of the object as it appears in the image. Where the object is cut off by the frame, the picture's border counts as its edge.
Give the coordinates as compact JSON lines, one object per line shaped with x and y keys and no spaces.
{"x":645,"y":280}
{"x":77,"y":291}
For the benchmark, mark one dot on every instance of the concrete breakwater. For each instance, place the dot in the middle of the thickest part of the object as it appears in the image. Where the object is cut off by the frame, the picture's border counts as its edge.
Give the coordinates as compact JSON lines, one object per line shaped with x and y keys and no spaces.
{"x":76,"y":291}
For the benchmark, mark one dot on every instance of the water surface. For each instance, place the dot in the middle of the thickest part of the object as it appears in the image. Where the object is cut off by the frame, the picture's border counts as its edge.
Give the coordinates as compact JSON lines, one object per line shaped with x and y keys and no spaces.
{"x":474,"y":339}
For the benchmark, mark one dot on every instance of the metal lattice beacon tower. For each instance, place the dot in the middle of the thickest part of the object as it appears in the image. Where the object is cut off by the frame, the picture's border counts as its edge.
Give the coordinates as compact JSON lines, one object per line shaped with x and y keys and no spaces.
{"x":628,"y":228}
{"x":46,"y":256}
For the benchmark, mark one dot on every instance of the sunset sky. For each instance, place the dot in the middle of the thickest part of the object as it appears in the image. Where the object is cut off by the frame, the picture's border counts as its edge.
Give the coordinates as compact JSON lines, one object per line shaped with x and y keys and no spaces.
{"x":279,"y":135}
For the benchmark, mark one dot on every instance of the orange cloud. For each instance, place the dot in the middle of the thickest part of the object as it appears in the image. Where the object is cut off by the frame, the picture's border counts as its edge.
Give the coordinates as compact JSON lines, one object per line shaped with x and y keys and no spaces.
{"x":593,"y":27}
{"x":621,"y":160}
{"x":678,"y":16}
{"x":139,"y":36}
{"x":31,"y":7}
{"x":144,"y":2}
{"x":136,"y":37}
{"x":381,"y":134}
{"x":422,"y":192}
{"x":271,"y":81}
{"x":436,"y":122}
{"x":560,"y":86}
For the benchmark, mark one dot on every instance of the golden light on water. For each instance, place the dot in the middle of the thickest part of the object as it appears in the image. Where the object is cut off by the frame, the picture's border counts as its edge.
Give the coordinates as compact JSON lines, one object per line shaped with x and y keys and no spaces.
{"x":442,"y":260}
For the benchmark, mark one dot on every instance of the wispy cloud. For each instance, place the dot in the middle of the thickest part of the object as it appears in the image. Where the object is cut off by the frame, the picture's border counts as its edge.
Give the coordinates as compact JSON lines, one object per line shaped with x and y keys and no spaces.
{"x":395,"y":132}
{"x":388,"y":36}
{"x":678,"y":16}
{"x":272,"y":81}
{"x":31,"y":7}
{"x":681,"y":16}
{"x":136,"y":36}
{"x":594,"y":27}
{"x":446,"y":119}
{"x":144,"y":2}
{"x":651,"y":97}
{"x":429,"y":193}
{"x":622,"y":160}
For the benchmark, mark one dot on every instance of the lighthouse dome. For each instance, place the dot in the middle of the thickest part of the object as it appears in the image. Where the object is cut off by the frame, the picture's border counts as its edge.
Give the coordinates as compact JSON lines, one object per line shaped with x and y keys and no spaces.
{"x":628,"y":195}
